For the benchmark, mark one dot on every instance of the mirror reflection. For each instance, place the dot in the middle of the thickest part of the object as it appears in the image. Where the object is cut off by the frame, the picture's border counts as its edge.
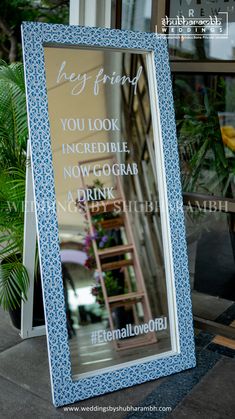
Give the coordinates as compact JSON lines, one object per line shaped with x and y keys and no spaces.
{"x":108,"y":208}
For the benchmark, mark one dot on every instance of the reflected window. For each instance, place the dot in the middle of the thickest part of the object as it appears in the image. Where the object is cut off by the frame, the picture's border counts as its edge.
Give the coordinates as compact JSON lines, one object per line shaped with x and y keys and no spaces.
{"x":204,"y":48}
{"x":205,"y":115}
{"x":136,"y":15}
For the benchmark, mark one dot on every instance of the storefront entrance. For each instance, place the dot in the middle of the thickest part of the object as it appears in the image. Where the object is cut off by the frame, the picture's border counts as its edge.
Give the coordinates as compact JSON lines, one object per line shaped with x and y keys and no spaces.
{"x":204,"y":95}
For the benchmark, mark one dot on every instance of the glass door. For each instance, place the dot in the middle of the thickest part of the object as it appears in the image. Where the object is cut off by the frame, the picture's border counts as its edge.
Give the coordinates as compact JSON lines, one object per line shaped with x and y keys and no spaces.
{"x":203,"y":75}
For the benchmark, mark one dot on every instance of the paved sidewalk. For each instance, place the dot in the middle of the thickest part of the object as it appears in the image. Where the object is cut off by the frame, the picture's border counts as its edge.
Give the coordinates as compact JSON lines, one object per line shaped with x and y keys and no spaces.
{"x":207,"y":391}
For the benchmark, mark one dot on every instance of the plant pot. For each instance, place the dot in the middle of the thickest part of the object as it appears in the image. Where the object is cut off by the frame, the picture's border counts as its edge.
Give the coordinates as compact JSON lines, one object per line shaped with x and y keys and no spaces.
{"x":15,"y":316}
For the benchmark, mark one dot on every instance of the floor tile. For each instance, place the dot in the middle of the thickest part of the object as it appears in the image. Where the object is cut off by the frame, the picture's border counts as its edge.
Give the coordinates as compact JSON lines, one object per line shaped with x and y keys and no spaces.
{"x":9,"y":334}
{"x":26,"y":364}
{"x":174,"y":388}
{"x":17,"y":402}
{"x":213,"y":397}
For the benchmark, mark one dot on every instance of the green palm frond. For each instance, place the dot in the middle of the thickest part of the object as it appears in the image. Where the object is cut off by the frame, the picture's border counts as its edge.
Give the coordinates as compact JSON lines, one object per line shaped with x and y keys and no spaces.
{"x":12,"y":194}
{"x":13,"y":275}
{"x":14,"y":282}
{"x":13,"y":116}
{"x":13,"y":74}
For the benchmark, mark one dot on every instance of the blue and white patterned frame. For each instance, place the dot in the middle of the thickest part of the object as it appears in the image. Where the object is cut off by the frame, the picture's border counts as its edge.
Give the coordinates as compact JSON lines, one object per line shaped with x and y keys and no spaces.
{"x":64,"y":389}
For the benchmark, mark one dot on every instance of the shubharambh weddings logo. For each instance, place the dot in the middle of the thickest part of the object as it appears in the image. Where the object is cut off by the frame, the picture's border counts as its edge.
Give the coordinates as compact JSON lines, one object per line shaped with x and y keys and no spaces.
{"x":179,"y":27}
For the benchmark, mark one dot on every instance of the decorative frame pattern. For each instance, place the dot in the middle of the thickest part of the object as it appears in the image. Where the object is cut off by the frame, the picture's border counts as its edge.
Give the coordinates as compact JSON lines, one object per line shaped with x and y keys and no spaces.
{"x":64,"y":389}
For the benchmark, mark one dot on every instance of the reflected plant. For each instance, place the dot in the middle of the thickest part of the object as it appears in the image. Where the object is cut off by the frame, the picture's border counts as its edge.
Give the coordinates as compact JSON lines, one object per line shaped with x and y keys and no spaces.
{"x":207,"y":159}
{"x":103,"y":239}
{"x":111,"y":284}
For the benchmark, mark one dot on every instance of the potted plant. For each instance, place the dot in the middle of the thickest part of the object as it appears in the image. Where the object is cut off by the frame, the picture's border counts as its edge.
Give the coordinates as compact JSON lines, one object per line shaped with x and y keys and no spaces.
{"x":207,"y":148}
{"x":207,"y":152}
{"x":14,"y":280}
{"x":114,"y":279}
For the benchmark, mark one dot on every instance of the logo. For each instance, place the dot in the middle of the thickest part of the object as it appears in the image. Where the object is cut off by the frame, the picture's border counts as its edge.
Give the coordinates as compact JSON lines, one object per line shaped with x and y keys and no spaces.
{"x":178,"y":27}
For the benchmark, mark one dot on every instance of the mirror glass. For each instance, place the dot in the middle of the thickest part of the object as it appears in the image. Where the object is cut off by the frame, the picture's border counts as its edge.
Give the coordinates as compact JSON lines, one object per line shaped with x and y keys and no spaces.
{"x":105,"y":171}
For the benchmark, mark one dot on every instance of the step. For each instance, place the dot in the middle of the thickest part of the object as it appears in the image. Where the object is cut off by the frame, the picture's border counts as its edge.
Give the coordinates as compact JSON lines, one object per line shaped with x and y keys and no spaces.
{"x":111,"y":266}
{"x":116,"y":250}
{"x":126,"y":297}
{"x":100,"y":207}
{"x":112,"y":223}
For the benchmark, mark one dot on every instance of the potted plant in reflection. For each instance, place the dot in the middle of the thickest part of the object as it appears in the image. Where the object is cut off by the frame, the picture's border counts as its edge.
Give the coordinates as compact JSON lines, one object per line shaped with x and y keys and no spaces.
{"x":114,"y":279}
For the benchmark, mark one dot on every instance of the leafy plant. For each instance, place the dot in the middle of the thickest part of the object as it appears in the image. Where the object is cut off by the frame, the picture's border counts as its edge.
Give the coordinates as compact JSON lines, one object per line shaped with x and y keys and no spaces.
{"x":14,"y":12}
{"x":111,"y":284}
{"x":14,"y":279}
{"x":104,"y":239}
{"x":208,"y":164}
{"x":13,"y":116}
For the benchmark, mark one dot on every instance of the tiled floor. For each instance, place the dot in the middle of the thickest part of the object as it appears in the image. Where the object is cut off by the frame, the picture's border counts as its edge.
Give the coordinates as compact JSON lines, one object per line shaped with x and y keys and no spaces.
{"x":207,"y":391}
